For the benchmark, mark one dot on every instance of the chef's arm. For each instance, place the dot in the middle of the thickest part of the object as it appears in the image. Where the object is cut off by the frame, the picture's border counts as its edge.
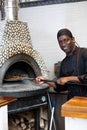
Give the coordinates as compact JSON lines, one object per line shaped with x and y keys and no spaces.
{"x":64,"y":80}
{"x":79,"y":79}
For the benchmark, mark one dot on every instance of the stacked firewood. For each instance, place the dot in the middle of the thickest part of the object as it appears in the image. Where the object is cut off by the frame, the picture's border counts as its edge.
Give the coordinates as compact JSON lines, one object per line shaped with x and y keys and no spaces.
{"x":21,"y":121}
{"x":26,"y":120}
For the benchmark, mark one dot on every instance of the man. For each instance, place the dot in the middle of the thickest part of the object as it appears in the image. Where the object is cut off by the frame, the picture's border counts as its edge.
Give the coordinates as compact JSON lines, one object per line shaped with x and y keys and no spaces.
{"x":72,"y":76}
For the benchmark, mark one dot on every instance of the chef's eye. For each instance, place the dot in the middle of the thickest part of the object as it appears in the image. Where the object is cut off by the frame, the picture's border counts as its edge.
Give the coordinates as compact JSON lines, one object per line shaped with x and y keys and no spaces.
{"x":66,"y":40}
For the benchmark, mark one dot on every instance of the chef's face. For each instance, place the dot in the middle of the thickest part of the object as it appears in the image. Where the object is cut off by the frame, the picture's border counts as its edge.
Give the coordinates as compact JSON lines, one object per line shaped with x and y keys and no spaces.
{"x":66,"y":43}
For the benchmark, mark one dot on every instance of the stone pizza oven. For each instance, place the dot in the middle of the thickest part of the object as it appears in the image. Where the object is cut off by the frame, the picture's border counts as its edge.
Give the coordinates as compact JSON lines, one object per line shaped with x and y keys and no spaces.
{"x":16,"y":50}
{"x":18,"y":58}
{"x":17,"y":54}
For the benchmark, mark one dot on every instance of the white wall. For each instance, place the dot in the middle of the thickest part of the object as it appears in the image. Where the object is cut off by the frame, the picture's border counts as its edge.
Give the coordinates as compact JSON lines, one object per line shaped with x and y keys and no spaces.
{"x":45,"y":21}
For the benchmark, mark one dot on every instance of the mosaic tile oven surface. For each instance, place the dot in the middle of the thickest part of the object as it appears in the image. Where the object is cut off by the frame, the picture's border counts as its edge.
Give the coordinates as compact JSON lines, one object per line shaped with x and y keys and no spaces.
{"x":15,"y":39}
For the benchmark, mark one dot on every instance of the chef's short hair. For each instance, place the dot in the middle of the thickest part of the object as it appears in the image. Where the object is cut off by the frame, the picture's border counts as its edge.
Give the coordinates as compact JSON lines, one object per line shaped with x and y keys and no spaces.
{"x":64,"y":31}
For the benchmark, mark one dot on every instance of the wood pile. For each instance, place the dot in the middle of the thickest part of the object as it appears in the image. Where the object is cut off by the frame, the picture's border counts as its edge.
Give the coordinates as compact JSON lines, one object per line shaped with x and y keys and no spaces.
{"x":26,"y":121}
{"x":21,"y":121}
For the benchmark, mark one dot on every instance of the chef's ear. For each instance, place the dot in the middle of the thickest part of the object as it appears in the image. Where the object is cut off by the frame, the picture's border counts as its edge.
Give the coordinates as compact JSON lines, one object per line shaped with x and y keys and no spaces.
{"x":73,"y":40}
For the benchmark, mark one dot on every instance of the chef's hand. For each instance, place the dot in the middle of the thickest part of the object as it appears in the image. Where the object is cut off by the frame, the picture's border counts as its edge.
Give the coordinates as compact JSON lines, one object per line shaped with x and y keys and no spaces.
{"x":62,"y":80}
{"x":39,"y":80}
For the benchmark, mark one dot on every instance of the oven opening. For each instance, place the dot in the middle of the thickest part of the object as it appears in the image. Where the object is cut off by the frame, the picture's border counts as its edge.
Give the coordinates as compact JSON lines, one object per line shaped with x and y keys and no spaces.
{"x":18,"y":72}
